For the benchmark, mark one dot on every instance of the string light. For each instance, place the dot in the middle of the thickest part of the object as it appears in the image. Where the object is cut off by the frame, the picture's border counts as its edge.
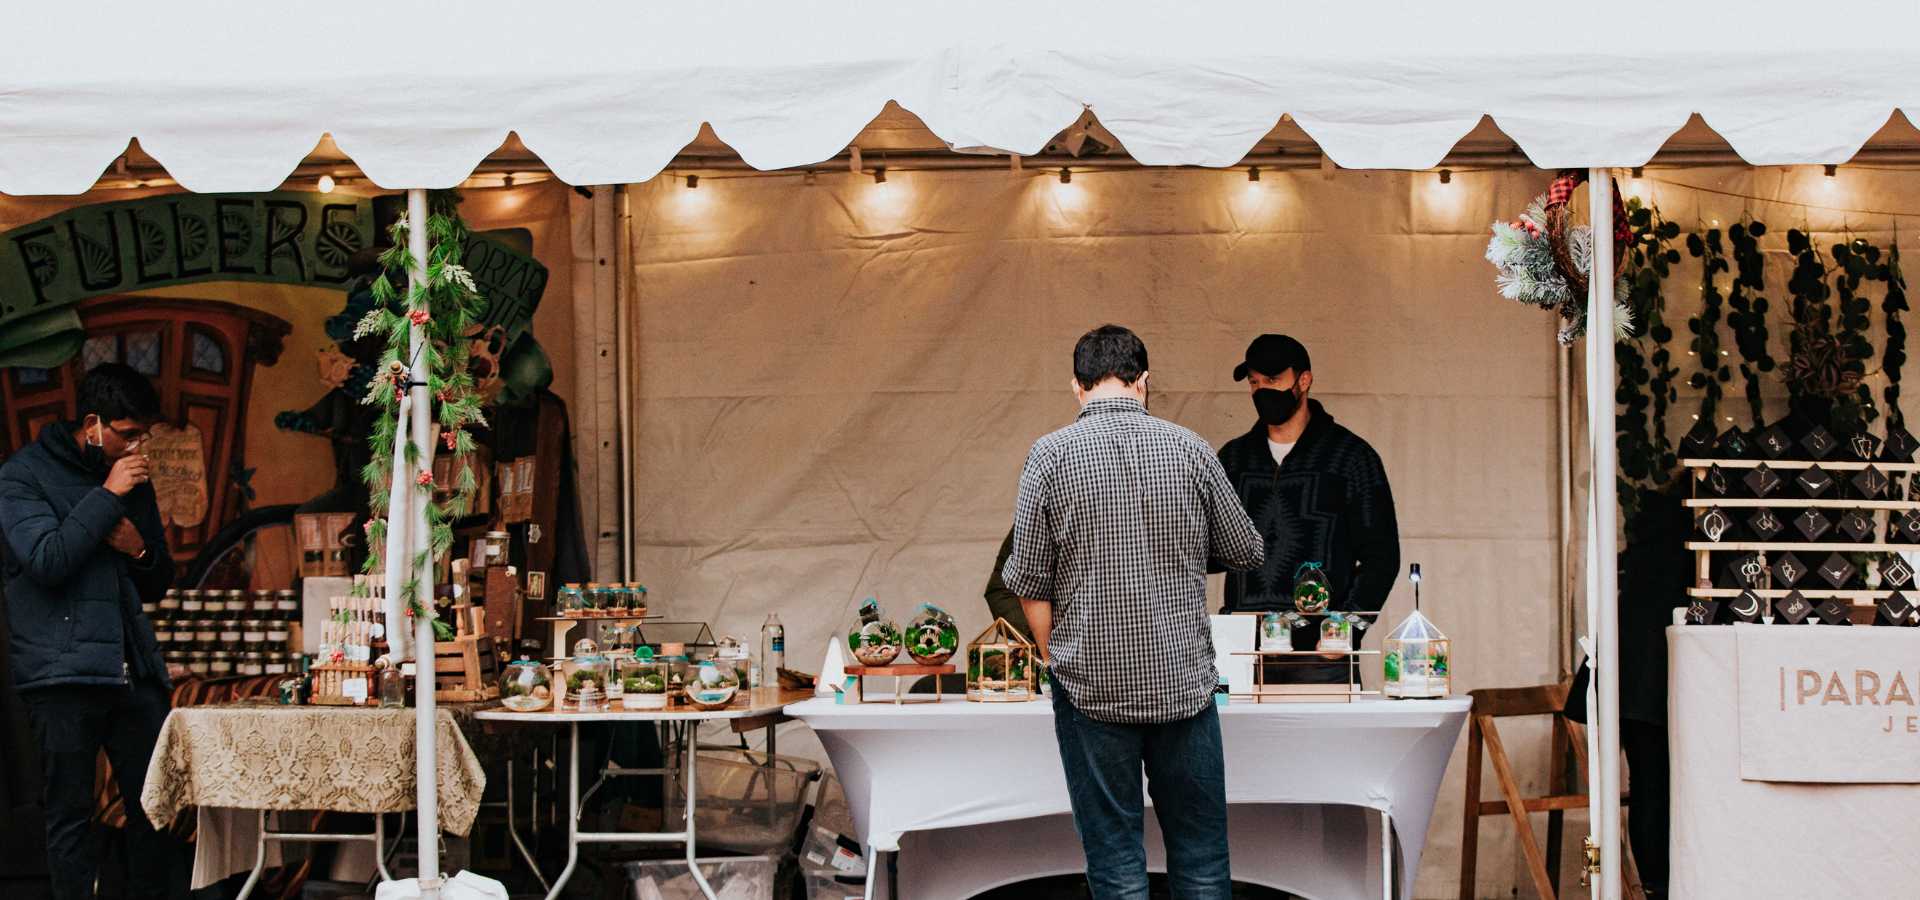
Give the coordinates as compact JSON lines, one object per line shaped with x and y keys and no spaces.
{"x":1066,"y":175}
{"x":880,"y":175}
{"x":1446,"y":176}
{"x":808,"y":178}
{"x":326,"y":184}
{"x":1832,"y":172}
{"x":693,"y":181}
{"x":1253,"y":174}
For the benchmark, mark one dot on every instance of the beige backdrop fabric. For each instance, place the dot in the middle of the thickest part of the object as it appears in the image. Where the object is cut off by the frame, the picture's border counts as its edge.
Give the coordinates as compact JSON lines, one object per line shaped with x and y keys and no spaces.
{"x":838,"y":383}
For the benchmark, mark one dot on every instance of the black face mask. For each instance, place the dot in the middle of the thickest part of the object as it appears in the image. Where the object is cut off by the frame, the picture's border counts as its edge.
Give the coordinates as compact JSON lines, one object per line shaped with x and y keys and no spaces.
{"x":1276,"y":407}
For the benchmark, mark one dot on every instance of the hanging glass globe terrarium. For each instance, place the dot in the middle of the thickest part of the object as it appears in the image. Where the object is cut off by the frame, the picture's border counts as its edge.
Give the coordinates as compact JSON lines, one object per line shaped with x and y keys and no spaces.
{"x":932,"y":636}
{"x":1417,"y":657}
{"x":873,"y":639}
{"x":1311,"y":593}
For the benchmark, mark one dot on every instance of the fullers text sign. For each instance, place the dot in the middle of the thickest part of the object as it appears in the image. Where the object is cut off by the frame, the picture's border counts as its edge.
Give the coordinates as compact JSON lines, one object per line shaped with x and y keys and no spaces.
{"x":1826,"y":704}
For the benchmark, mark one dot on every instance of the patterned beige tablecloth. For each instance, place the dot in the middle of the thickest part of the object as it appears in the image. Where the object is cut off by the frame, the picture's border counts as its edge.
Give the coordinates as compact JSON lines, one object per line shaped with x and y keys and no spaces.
{"x":254,"y":755}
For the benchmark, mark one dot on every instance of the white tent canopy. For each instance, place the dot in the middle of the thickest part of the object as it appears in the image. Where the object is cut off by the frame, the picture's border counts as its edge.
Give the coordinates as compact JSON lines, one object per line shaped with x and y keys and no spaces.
{"x":230,"y":96}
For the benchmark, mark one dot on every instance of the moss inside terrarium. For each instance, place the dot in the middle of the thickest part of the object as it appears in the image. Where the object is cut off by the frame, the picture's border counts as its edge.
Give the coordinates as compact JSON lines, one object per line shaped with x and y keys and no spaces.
{"x":581,"y":677}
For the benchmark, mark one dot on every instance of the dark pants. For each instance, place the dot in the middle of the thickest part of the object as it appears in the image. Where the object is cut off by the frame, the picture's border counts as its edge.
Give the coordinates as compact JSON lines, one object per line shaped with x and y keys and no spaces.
{"x":1186,"y":773}
{"x":73,"y":723}
{"x":1645,"y":745}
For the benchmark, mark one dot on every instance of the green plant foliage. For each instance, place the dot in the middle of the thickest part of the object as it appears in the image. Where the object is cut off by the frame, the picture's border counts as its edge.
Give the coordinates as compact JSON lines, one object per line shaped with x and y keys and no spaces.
{"x":1748,"y":315}
{"x":1644,"y":387}
{"x":1895,"y":356}
{"x":1705,"y":326}
{"x":1829,"y":346}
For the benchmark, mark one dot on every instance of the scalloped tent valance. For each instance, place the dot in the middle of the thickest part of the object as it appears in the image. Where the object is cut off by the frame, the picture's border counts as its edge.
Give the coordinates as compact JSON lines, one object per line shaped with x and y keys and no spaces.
{"x":230,"y":97}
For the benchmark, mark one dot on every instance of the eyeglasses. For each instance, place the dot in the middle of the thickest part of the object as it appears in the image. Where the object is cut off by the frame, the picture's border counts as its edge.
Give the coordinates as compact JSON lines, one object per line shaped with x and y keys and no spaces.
{"x":131,"y":435}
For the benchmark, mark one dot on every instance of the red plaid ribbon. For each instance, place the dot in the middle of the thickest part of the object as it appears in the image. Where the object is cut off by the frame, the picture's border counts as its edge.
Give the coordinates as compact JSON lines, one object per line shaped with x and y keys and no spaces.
{"x":1560,"y":192}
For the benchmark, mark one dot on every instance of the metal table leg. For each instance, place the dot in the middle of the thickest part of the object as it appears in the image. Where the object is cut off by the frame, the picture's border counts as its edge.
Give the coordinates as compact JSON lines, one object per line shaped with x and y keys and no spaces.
{"x":573,"y":812}
{"x":689,"y":759}
{"x":378,"y":837}
{"x":1386,"y":855}
{"x":514,"y":832}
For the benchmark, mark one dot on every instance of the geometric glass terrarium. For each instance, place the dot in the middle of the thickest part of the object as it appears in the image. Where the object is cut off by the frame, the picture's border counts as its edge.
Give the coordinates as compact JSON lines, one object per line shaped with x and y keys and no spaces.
{"x":1417,"y":657}
{"x":1000,"y":665}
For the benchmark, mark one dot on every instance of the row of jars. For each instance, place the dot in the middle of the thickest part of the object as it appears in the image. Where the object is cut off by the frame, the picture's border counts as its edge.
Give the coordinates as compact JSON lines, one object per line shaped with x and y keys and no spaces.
{"x":592,"y":600}
{"x":591,"y":682}
{"x":227,"y":663}
{"x":233,"y":635}
{"x":283,"y":606}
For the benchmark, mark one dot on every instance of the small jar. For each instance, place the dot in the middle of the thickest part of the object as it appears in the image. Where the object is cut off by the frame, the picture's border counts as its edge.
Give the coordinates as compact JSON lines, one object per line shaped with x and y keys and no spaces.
{"x":206,"y":634}
{"x":191,"y":604}
{"x":163,"y":633}
{"x":594,"y":597}
{"x":570,"y":602}
{"x":637,"y":606}
{"x":277,"y":636}
{"x":150,"y":609}
{"x":230,"y":635}
{"x":275,"y":664}
{"x":253,"y":635}
{"x":198,"y":661}
{"x":496,"y":548}
{"x":237,"y":603}
{"x":220,"y":664}
{"x":262,"y":607}
{"x":176,"y":658}
{"x":286,"y":606}
{"x":251,"y":663}
{"x":171,"y":602}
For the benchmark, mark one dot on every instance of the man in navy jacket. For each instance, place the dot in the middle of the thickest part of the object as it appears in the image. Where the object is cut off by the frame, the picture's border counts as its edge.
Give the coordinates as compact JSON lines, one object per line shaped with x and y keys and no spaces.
{"x":83,"y":547}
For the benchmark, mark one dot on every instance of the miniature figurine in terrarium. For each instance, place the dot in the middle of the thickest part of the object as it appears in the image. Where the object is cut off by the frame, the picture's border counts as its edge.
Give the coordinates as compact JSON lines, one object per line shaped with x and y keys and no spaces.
{"x":1416,"y":655}
{"x":1336,"y":633}
{"x":1311,"y":593}
{"x":932,"y":636}
{"x":643,"y":681}
{"x":586,"y":676}
{"x":571,"y":602}
{"x":712,"y":685}
{"x":874,"y":638}
{"x":526,"y":686}
{"x":1276,"y":630}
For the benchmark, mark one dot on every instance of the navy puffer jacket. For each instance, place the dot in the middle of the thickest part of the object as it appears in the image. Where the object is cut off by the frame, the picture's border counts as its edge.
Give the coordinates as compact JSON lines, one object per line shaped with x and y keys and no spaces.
{"x":73,"y":602}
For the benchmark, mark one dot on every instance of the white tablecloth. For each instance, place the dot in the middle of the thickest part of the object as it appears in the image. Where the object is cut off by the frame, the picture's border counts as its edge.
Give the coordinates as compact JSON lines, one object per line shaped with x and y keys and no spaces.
{"x":1754,"y":840}
{"x":973,"y":794}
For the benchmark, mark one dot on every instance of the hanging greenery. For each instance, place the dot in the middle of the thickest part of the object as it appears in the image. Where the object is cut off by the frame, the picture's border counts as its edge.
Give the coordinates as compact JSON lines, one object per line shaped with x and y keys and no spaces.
{"x":1895,"y":356}
{"x":1706,"y":335}
{"x":1857,"y":261}
{"x":1748,"y":315}
{"x":1829,"y":352}
{"x":1646,"y":456}
{"x":446,"y":305}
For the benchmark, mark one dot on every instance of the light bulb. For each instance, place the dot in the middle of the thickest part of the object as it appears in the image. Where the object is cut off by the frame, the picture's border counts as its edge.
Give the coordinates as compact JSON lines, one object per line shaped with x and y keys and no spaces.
{"x":326,"y":184}
{"x":1066,"y":176}
{"x":1446,"y":176}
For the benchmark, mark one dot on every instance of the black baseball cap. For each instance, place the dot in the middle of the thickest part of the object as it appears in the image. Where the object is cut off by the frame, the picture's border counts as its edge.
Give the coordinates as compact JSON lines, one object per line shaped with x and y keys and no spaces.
{"x":1271,"y":354}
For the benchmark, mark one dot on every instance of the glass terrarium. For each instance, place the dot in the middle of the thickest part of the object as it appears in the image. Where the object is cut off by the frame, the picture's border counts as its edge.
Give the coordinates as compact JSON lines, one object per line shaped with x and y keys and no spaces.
{"x":874,"y":639}
{"x":712,"y":684}
{"x":1311,"y":593}
{"x":1417,"y":658}
{"x":571,"y":602}
{"x":1000,"y":665}
{"x":637,"y":599}
{"x":932,"y":636}
{"x":643,"y":681}
{"x":526,"y":686}
{"x":1276,"y":630}
{"x":1336,"y":633}
{"x":586,"y":676}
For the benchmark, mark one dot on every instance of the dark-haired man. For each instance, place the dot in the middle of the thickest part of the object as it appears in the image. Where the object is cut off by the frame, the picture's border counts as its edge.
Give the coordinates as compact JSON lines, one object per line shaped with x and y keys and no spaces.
{"x":81,"y":546}
{"x":1317,"y":492}
{"x":1118,"y":516}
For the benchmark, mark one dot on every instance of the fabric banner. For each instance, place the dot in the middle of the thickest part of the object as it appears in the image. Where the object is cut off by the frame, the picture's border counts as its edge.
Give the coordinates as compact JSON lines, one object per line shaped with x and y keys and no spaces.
{"x":1829,"y":704}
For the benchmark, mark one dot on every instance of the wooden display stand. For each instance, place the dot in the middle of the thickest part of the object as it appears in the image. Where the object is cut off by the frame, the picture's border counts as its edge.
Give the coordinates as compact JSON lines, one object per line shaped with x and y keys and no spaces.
{"x":1861,"y":601}
{"x":465,"y":669}
{"x":1306,"y":693}
{"x":855,"y":693}
{"x":563,"y":626}
{"x":329,"y":685}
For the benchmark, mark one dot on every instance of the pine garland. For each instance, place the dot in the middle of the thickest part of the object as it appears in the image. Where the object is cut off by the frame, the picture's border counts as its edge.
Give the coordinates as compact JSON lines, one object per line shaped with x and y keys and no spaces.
{"x":1706,"y":334}
{"x":445,"y":306}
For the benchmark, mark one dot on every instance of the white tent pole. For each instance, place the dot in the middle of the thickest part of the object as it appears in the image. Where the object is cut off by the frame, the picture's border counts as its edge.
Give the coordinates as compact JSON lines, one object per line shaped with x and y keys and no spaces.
{"x":425,"y":755}
{"x":399,"y":519}
{"x":1600,"y":410}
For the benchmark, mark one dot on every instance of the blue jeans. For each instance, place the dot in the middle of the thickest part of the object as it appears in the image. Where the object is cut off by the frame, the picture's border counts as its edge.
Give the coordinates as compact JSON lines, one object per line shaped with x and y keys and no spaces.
{"x":1186,"y":773}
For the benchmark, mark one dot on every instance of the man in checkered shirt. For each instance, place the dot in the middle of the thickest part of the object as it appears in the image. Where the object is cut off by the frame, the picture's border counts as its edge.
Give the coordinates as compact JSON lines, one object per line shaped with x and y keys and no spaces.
{"x":1119,"y":514}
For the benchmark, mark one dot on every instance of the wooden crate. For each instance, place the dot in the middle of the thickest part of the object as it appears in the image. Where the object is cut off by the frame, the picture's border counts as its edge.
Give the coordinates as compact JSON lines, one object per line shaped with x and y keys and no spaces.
{"x":466,"y":669}
{"x":330,"y":678}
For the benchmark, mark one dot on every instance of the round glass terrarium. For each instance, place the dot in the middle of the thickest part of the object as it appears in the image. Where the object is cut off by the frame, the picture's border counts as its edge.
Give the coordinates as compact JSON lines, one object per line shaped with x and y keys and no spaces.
{"x":1336,"y":633}
{"x":932,"y":636}
{"x":1276,"y":630}
{"x":586,"y":676}
{"x":1311,"y":593}
{"x":643,"y":681}
{"x":712,"y":684}
{"x":874,"y":639}
{"x":1417,"y":659}
{"x":526,"y":686}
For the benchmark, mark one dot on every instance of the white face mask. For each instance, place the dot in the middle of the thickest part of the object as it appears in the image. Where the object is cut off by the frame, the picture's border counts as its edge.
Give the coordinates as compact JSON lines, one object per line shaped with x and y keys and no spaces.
{"x":98,"y":439}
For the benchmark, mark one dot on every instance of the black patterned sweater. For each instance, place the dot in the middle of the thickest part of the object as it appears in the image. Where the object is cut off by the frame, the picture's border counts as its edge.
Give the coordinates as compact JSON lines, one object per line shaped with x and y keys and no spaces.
{"x":1328,"y":503}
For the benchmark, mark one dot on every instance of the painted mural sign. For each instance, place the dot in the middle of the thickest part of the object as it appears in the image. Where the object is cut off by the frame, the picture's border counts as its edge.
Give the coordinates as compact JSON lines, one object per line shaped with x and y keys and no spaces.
{"x":179,"y":473}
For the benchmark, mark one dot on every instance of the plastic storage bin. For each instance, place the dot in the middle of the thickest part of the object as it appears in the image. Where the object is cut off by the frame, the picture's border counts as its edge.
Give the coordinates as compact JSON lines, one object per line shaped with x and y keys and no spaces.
{"x":732,"y":878}
{"x":745,"y":804}
{"x":830,"y":884}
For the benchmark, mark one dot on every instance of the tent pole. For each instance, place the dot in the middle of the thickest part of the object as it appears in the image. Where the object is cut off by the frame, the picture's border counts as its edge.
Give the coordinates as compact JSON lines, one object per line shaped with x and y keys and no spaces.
{"x":425,"y":755}
{"x":1600,"y":411}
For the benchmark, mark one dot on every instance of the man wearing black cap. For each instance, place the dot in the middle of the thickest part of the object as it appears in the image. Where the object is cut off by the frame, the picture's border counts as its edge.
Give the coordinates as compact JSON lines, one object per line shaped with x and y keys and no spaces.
{"x":1317,"y":493}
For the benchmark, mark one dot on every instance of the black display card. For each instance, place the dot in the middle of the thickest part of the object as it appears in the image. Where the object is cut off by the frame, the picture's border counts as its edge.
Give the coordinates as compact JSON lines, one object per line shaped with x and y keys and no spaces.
{"x":1735,"y":444}
{"x":1762,"y":480}
{"x":1863,"y":446}
{"x":1857,"y":524}
{"x":1745,"y":571}
{"x":1814,"y":481}
{"x":1765,"y":524}
{"x":1702,"y":611}
{"x":1895,"y":573}
{"x":1909,"y":527}
{"x":1871,"y":482}
{"x":1698,"y":444}
{"x":1774,"y":443}
{"x":1788,"y":570}
{"x":1715,"y":484}
{"x":1899,"y":445}
{"x":1812,"y":524}
{"x":1748,"y":607}
{"x":1896,"y":611}
{"x":1793,"y":607}
{"x":1833,"y":612}
{"x":1714,"y":523}
{"x":1819,"y":442}
{"x":1837,"y":571}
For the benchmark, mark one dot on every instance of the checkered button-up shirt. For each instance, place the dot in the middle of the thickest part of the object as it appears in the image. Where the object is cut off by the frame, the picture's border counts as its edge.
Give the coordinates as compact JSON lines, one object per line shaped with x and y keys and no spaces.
{"x":1118,"y":515}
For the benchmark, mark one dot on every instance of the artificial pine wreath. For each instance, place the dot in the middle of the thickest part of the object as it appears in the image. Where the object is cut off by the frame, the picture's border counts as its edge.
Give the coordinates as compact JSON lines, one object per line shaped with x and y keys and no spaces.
{"x":1543,"y":262}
